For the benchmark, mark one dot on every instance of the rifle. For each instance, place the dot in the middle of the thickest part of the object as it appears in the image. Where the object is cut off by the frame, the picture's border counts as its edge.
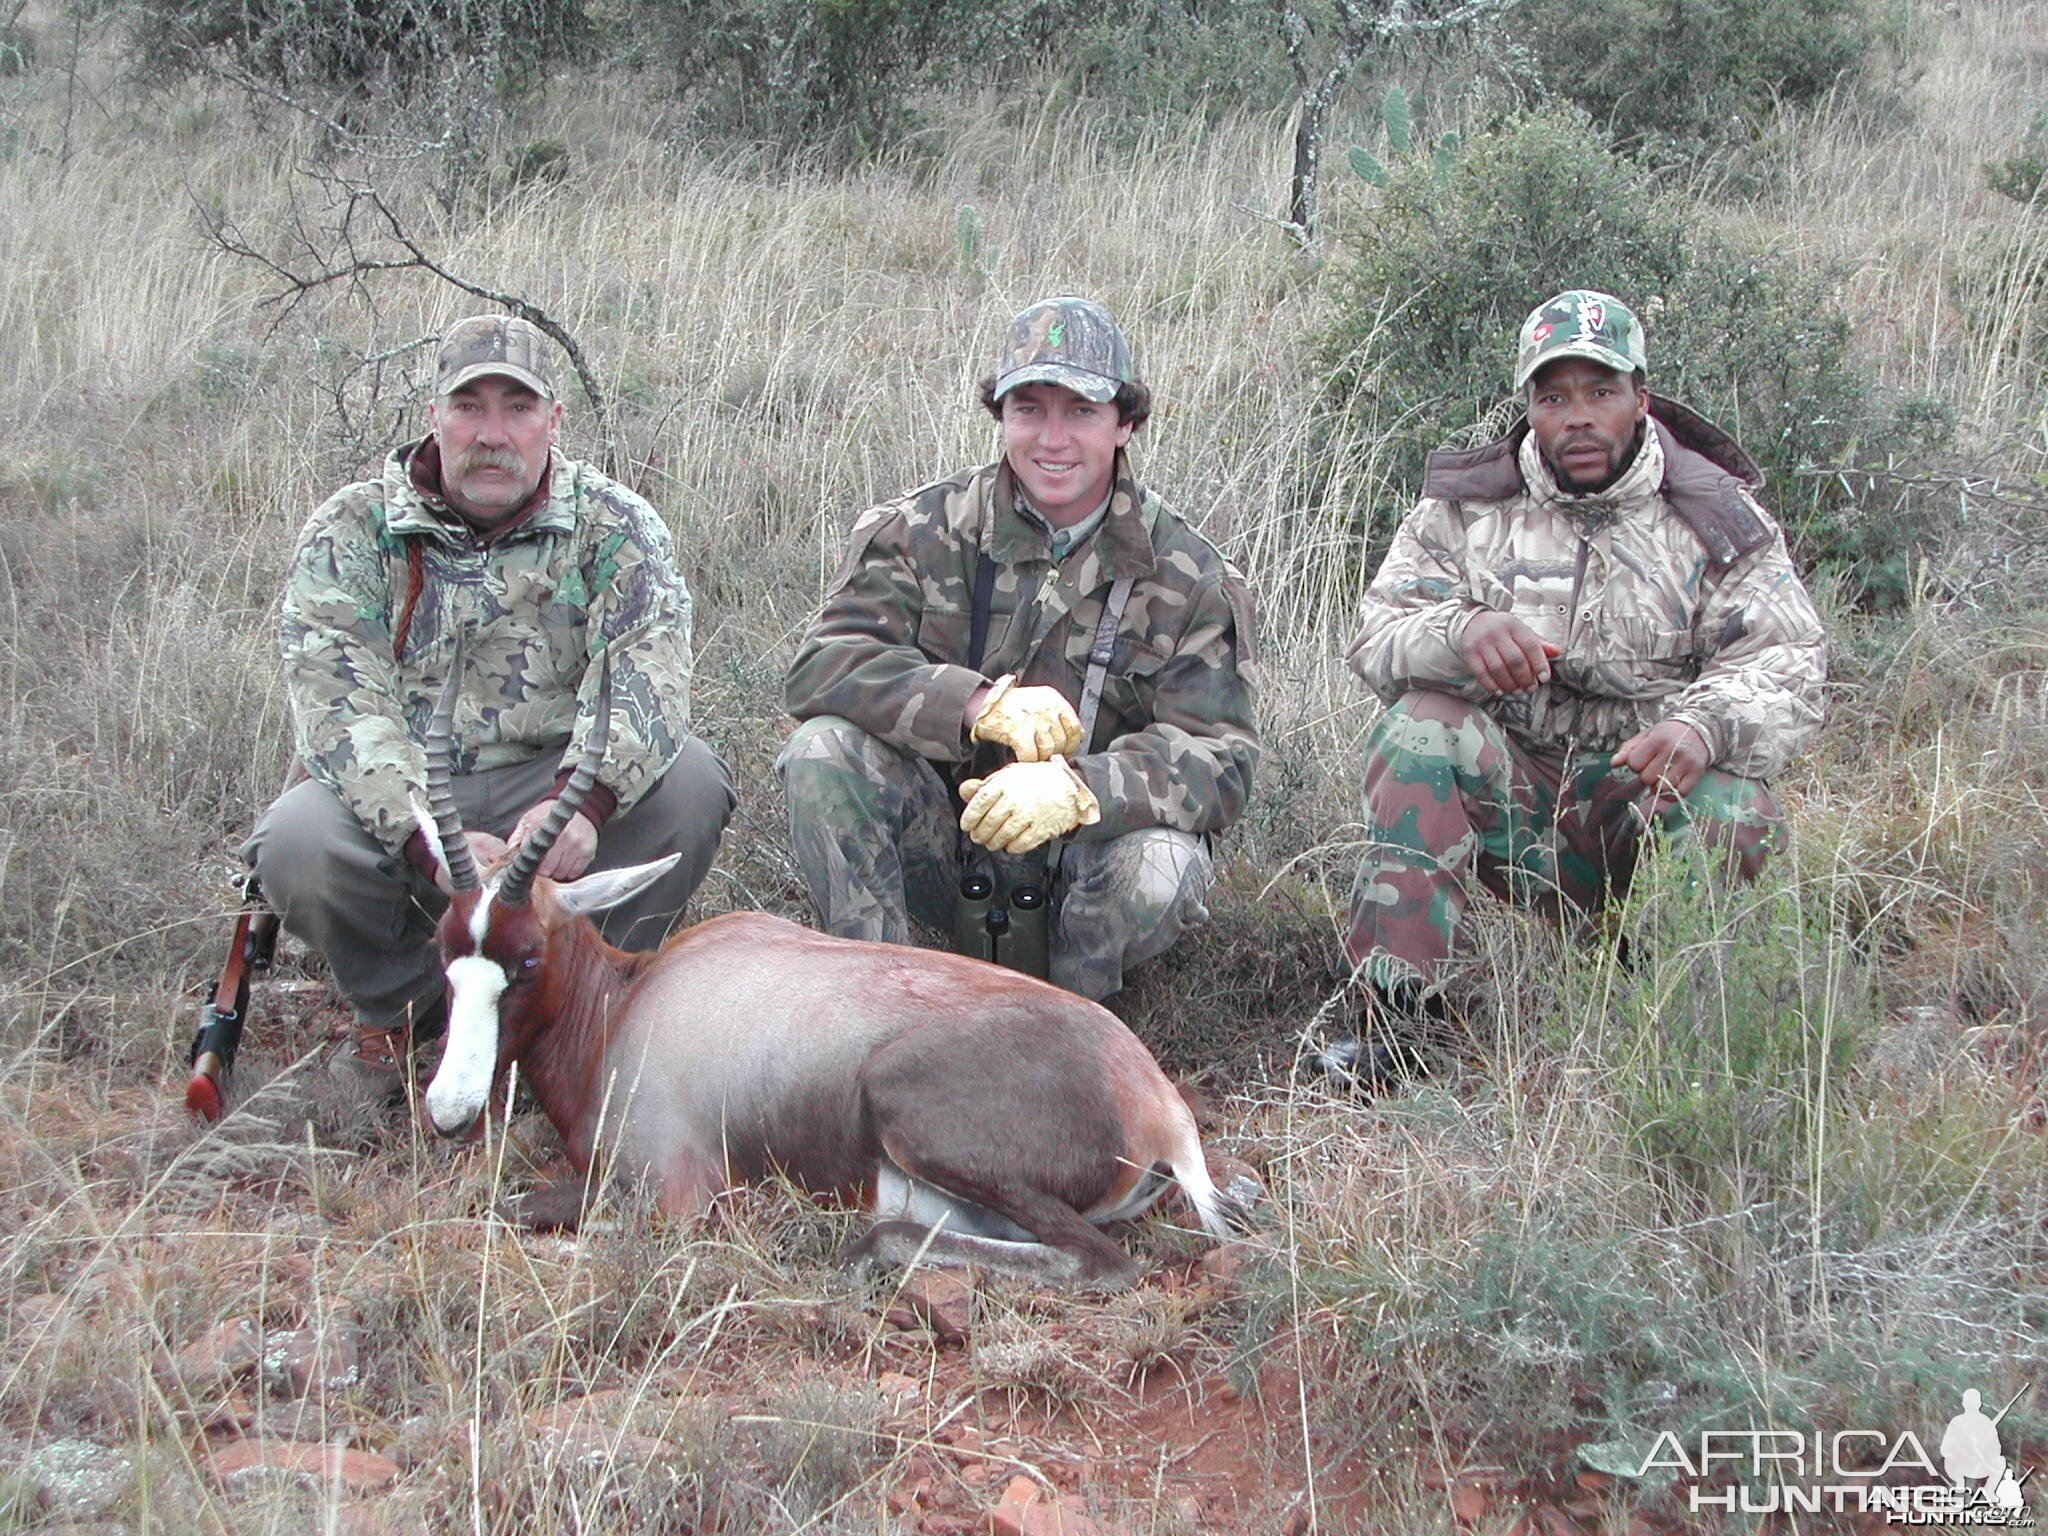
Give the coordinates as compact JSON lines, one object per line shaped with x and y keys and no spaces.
{"x":224,"y":1013}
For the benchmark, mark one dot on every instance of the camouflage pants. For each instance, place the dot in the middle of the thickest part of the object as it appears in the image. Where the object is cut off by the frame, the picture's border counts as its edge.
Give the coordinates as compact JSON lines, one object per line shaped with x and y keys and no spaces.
{"x":1450,"y":795}
{"x":877,"y":834}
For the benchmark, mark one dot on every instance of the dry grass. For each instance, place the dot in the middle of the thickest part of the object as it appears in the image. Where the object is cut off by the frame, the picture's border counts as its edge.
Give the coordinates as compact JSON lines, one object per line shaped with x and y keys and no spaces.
{"x":1497,"y":1266}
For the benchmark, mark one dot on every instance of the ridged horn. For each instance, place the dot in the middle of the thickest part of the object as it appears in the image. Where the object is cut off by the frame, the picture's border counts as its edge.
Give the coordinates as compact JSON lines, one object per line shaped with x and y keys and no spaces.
{"x":516,"y":886}
{"x":440,"y":768}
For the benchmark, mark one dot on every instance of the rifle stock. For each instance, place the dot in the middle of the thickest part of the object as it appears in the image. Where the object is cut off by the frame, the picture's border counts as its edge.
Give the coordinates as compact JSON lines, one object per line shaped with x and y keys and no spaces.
{"x":226,"y":1009}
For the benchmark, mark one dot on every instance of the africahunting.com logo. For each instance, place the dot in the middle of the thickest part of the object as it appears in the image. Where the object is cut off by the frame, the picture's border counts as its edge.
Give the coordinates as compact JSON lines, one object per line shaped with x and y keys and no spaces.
{"x":1859,"y":1471}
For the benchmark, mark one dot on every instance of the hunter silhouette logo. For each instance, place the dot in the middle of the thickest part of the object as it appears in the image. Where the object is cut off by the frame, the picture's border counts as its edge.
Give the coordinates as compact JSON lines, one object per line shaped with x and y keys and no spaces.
{"x":1592,"y":320}
{"x":1056,"y":334}
{"x":1855,"y":1471}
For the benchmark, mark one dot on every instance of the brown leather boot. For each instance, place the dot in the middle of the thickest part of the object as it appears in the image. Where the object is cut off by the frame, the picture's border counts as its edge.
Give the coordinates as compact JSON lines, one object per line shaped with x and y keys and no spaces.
{"x":371,"y":1064}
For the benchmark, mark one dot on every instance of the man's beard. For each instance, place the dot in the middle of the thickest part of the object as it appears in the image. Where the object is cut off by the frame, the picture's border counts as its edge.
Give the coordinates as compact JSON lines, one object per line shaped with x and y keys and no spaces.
{"x":1617,"y":465}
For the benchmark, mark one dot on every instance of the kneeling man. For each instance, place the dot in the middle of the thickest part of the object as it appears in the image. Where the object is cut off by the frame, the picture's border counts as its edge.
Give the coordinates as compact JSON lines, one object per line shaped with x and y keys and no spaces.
{"x":1046,"y":644}
{"x":1586,"y":630}
{"x":481,"y":531}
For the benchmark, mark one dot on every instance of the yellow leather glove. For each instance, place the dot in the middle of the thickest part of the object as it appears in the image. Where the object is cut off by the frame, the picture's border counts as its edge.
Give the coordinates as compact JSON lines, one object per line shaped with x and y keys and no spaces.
{"x":1022,"y":805}
{"x":1035,"y":723}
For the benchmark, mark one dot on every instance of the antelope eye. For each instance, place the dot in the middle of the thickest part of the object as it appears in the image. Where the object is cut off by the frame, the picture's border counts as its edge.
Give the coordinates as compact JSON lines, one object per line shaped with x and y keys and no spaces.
{"x":530,"y":963}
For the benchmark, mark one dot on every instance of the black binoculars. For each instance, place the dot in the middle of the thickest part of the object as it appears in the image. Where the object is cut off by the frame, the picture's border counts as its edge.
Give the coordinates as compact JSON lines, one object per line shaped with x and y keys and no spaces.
{"x":1005,"y":926}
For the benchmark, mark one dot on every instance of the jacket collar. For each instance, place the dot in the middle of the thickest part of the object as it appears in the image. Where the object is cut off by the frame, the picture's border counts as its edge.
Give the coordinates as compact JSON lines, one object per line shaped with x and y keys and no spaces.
{"x":1706,"y":477}
{"x":1120,"y":547}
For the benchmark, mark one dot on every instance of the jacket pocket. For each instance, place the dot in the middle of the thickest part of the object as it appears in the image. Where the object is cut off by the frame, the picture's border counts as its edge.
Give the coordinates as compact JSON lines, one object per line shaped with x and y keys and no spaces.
{"x":1647,"y":651}
{"x":943,"y":634}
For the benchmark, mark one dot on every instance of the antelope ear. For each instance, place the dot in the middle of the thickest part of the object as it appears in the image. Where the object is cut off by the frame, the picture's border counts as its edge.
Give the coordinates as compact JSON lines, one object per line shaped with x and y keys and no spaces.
{"x":594,"y":893}
{"x":431,"y":831}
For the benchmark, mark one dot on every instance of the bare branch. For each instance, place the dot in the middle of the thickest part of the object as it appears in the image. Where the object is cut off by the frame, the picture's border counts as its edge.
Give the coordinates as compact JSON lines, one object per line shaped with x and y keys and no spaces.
{"x":342,"y":250}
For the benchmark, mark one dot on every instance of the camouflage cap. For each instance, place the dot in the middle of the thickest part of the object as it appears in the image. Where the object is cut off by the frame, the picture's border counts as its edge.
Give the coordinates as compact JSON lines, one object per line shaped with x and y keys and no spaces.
{"x":1071,"y":342}
{"x":494,"y":344}
{"x":1581,"y":323}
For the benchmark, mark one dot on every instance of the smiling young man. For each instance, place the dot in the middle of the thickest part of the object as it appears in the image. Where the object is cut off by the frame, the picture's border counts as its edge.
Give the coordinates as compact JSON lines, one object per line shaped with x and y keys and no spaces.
{"x":546,"y":569}
{"x":950,"y":711}
{"x":1585,"y":629}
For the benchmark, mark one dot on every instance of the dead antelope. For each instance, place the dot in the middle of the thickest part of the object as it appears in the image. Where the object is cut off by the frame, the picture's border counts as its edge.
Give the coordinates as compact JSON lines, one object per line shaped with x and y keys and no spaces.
{"x":987,"y":1117}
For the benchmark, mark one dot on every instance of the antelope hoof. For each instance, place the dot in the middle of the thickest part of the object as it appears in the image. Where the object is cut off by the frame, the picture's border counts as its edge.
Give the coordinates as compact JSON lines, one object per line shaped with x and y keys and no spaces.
{"x":556,"y":1207}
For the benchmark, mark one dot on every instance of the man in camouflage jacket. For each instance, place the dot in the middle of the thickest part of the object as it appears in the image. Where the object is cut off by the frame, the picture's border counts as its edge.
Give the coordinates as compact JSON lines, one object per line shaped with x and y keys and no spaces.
{"x":546,"y":569}
{"x":893,"y":699}
{"x":1586,"y":628}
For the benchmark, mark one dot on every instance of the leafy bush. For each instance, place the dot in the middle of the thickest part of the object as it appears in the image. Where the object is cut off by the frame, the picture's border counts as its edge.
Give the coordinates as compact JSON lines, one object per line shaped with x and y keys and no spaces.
{"x":2020,"y":174}
{"x":828,"y":78}
{"x":399,"y":46}
{"x":1165,"y":56}
{"x":837,"y":79}
{"x":1677,"y":76}
{"x":1453,"y":260}
{"x":1731,"y":1039}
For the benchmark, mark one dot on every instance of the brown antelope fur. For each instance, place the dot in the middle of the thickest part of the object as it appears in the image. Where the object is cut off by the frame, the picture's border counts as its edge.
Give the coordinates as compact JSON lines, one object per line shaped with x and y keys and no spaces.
{"x":985,"y":1116}
{"x":750,"y":1046}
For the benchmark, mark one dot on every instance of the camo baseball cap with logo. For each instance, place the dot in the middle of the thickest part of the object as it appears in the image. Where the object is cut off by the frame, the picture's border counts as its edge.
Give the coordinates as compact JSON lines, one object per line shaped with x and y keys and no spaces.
{"x":1071,"y":342}
{"x":1581,"y":323}
{"x":494,"y":344}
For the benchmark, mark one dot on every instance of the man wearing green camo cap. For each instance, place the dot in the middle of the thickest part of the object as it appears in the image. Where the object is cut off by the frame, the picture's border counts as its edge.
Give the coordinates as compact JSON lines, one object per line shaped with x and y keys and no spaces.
{"x":1587,"y":630}
{"x":1036,"y":669}
{"x":549,"y":573}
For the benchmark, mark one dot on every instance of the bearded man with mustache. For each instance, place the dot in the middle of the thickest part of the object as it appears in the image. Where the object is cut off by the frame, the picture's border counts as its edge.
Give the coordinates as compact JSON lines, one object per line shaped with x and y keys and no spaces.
{"x":1590,"y":638}
{"x":548,"y":573}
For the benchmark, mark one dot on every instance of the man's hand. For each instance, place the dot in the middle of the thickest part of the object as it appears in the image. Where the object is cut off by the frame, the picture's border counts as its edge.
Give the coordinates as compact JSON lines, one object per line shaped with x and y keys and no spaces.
{"x":1022,"y":805}
{"x":1036,"y":723}
{"x":484,"y":850}
{"x":573,"y":850}
{"x":1668,"y":758}
{"x":1505,"y":654}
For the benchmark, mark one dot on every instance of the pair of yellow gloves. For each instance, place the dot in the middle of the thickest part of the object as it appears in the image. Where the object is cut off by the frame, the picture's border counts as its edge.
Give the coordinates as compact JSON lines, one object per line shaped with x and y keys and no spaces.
{"x":1039,"y":797}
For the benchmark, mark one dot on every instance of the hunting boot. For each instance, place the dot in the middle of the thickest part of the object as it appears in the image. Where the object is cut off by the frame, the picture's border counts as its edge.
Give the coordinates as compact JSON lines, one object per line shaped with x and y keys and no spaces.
{"x":370,"y":1066}
{"x":1395,"y":1027}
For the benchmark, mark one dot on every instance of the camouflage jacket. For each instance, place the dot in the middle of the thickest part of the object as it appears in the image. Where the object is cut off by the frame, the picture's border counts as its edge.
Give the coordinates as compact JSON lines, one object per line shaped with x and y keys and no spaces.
{"x":1670,"y":595}
{"x":589,"y":571}
{"x":1175,"y":742}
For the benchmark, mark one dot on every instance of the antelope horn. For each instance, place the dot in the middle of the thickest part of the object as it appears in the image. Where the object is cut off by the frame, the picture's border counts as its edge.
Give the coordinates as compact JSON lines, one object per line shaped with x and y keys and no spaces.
{"x":440,"y":796}
{"x":514,"y":888}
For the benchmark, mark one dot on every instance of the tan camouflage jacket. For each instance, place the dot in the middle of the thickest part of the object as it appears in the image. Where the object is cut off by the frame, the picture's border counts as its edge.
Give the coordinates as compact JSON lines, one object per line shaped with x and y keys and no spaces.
{"x":589,"y":571}
{"x":1671,"y":596}
{"x":1175,"y":742}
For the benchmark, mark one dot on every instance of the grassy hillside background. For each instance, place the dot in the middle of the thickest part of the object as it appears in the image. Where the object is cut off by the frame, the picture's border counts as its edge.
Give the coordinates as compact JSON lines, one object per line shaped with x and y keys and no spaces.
{"x":1788,"y":1172}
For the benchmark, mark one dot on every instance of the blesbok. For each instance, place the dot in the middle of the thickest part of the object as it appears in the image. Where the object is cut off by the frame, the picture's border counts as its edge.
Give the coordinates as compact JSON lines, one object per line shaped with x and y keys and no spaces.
{"x":987,"y":1117}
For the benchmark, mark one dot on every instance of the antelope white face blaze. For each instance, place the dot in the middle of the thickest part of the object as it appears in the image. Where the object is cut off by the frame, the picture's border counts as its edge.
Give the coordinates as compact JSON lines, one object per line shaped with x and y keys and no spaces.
{"x":463,"y":1083}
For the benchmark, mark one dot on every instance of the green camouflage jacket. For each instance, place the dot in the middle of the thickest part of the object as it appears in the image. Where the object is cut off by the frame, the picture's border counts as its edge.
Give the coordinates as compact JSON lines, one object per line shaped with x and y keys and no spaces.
{"x":1670,"y":594}
{"x":1175,"y":741}
{"x":589,"y":571}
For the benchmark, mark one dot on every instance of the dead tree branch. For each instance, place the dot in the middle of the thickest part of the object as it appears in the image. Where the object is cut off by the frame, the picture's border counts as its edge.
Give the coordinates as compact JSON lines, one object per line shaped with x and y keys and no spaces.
{"x":361,"y":236}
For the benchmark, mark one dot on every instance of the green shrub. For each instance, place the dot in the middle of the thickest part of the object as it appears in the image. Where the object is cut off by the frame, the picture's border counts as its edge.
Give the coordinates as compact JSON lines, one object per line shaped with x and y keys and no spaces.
{"x":398,"y":46}
{"x":838,"y":80}
{"x":1673,"y":77}
{"x":1160,"y":56}
{"x":2020,"y":174}
{"x":17,"y":54}
{"x":828,"y":79}
{"x":1730,"y":1040}
{"x":1454,"y":259}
